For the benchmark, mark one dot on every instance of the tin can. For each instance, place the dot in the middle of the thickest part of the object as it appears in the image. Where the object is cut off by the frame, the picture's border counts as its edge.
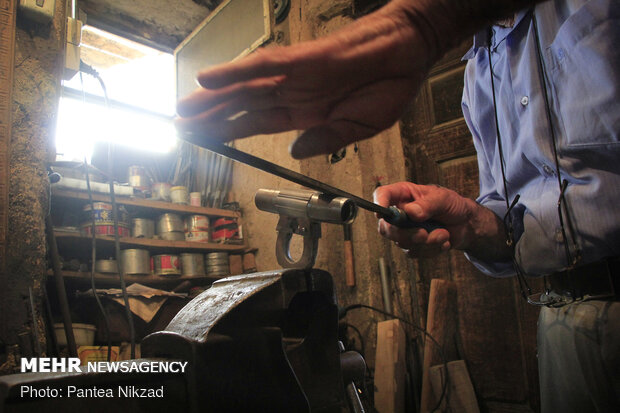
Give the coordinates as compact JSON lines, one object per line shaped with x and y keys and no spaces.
{"x":197,"y":236}
{"x":197,"y":223}
{"x":138,"y":178}
{"x":165,"y":264}
{"x":169,"y":222}
{"x":86,"y":230}
{"x":142,"y":228}
{"x":104,"y":220}
{"x":192,"y":264}
{"x":108,"y":266}
{"x":179,"y":195}
{"x":135,"y":262}
{"x":216,"y":264}
{"x":172,"y":236}
{"x":195,"y":199}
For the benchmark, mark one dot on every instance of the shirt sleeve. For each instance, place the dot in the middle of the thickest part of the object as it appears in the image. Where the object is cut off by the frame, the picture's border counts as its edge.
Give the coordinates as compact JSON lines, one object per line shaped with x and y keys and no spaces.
{"x":489,"y":197}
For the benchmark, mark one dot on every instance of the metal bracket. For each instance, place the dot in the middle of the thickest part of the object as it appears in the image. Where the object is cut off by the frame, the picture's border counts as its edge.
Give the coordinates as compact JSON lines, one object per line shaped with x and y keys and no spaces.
{"x":309,"y":230}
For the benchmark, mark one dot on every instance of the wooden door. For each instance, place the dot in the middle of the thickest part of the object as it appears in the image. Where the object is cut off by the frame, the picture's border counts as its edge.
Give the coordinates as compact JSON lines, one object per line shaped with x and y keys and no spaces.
{"x":497,"y":329}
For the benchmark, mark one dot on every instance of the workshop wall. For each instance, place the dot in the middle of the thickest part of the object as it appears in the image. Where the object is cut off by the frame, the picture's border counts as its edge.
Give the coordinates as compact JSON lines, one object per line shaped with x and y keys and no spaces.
{"x":380,"y":158}
{"x":37,"y":71}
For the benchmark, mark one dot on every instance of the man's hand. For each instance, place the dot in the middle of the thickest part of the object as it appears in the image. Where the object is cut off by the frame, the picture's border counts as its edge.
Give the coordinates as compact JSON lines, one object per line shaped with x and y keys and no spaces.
{"x":340,"y":89}
{"x":468,"y":226}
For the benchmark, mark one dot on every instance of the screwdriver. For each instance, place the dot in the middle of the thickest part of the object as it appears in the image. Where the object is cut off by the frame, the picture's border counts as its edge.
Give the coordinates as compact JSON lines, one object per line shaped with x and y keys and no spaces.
{"x":392,"y":214}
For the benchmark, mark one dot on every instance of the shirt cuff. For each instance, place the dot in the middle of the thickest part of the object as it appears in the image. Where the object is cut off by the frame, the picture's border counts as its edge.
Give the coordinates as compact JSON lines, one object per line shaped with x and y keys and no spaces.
{"x":498,"y":269}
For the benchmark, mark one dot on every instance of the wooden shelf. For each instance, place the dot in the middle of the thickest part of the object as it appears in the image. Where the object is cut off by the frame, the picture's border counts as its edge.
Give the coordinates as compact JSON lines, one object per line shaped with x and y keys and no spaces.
{"x":146,"y":203}
{"x":110,"y":280}
{"x":151,"y":244}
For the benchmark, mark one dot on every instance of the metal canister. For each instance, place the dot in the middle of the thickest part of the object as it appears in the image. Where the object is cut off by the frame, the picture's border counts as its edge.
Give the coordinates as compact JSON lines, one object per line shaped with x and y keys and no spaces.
{"x":179,"y":195}
{"x":104,"y":219}
{"x":197,"y":228}
{"x":169,"y":222}
{"x":192,"y":264}
{"x":135,"y":262}
{"x":138,"y":178}
{"x":165,"y":264}
{"x":170,"y":227}
{"x":195,"y":199}
{"x":142,"y":228}
{"x":197,"y":223}
{"x":108,"y":266}
{"x":217,"y":264}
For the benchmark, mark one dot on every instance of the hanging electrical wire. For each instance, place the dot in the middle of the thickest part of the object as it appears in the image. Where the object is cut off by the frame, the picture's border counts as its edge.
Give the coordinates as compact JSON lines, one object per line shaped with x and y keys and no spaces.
{"x":117,"y":249}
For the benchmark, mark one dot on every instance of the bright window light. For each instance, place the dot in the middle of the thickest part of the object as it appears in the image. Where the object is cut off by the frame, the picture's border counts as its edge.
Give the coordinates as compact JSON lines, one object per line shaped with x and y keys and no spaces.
{"x":134,"y":75}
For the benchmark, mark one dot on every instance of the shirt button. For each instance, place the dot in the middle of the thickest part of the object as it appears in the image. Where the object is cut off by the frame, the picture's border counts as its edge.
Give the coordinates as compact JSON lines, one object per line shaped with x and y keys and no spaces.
{"x":548,"y":170}
{"x":525,"y":100}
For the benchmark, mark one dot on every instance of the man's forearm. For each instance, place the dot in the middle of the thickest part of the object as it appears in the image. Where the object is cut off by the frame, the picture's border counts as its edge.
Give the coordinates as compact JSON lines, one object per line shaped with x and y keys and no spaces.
{"x":446,"y":23}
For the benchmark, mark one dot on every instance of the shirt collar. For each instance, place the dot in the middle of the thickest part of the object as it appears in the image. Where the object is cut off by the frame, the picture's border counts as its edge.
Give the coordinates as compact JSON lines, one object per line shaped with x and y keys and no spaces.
{"x":481,"y":39}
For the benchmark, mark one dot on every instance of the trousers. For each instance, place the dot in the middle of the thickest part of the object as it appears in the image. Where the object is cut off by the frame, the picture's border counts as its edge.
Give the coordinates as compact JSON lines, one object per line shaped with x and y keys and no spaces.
{"x":579,"y":357}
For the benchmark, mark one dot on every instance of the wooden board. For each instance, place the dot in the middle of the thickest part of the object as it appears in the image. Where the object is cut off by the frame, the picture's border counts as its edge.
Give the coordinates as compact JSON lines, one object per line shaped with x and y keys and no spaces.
{"x":390,"y":367}
{"x":7,"y":53}
{"x":147,"y":204}
{"x":150,"y":243}
{"x":459,"y":395}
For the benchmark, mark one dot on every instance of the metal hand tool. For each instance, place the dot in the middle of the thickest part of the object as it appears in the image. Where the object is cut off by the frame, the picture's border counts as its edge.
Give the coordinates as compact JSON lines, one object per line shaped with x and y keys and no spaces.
{"x":393,"y":215}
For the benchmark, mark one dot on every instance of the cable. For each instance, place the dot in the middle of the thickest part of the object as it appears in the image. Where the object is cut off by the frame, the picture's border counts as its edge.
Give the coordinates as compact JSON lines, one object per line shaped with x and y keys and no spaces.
{"x":117,"y":244}
{"x":359,"y":333}
{"x":94,"y":248}
{"x":343,"y":312}
{"x":93,"y":259}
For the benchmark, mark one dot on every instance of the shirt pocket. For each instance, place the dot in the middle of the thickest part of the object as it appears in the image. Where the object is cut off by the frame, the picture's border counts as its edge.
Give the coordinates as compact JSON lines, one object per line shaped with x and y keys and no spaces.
{"x":585,"y":75}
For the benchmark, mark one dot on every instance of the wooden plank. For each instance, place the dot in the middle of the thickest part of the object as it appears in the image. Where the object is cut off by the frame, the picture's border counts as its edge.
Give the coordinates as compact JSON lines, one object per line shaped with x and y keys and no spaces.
{"x":390,"y":367}
{"x":7,"y":56}
{"x":145,"y":203}
{"x":153,"y":243}
{"x":459,"y":395}
{"x":441,"y":325}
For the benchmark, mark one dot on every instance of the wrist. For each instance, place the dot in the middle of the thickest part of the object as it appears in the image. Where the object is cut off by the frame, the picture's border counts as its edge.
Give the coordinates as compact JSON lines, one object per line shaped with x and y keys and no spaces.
{"x":486,"y":237}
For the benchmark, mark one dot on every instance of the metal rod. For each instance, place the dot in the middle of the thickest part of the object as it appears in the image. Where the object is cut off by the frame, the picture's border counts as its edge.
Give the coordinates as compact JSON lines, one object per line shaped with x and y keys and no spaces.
{"x":282,"y":172}
{"x":60,"y":286}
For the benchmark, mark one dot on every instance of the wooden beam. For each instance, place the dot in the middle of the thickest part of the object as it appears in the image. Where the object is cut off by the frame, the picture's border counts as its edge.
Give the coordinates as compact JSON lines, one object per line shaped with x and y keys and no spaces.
{"x":7,"y":56}
{"x":390,"y":367}
{"x":441,"y":324}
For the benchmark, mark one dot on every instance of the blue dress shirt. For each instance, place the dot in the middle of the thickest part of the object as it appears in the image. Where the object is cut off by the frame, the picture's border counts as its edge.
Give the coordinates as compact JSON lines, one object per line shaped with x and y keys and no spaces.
{"x":581,"y":50}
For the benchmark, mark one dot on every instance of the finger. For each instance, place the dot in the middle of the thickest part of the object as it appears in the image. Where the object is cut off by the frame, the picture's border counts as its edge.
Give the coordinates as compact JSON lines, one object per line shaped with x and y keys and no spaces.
{"x":328,"y":138}
{"x":262,"y":63}
{"x":204,"y":99}
{"x":249,"y":124}
{"x":397,"y":194}
{"x":404,"y":238}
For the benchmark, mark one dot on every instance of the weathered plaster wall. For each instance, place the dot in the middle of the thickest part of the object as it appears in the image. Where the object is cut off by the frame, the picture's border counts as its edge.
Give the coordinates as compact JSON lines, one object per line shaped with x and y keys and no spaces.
{"x":38,"y":65}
